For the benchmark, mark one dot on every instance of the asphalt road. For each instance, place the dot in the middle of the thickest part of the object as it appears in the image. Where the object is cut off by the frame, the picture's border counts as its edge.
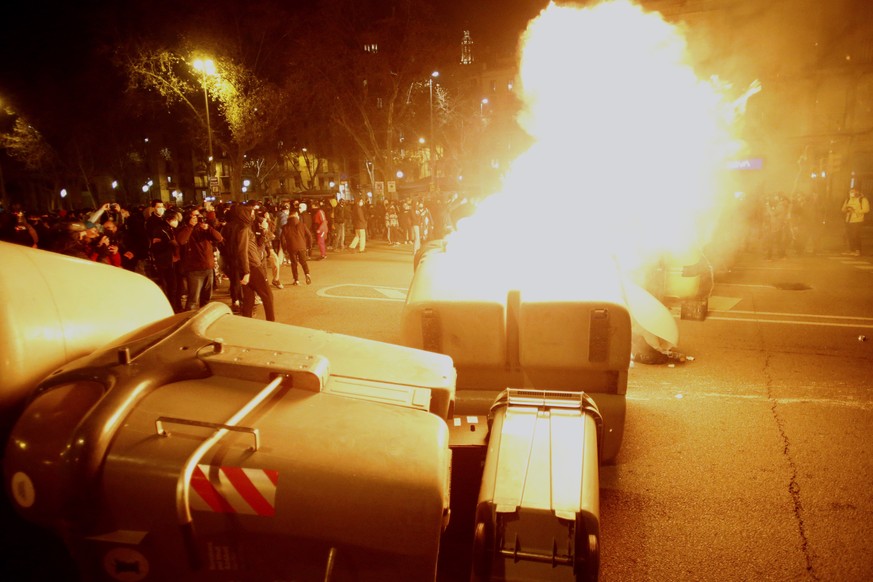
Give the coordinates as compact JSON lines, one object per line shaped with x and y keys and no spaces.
{"x":753,"y":461}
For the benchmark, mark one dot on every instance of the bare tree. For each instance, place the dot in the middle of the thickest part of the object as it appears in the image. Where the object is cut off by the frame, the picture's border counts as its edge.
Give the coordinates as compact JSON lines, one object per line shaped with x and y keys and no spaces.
{"x":366,"y":60}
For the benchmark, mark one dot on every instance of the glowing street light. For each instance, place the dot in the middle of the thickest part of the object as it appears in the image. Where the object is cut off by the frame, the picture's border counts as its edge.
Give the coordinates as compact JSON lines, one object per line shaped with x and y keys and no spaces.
{"x":206,"y":67}
{"x":482,"y":105}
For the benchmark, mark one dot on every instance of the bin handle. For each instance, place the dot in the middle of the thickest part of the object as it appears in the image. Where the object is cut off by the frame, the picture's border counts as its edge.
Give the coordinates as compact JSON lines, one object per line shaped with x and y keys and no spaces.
{"x":183,"y":485}
{"x":159,"y":428}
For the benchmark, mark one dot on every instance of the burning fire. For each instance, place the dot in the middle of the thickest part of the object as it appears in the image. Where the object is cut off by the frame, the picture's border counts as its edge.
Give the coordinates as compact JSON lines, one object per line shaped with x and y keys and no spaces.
{"x":628,"y":146}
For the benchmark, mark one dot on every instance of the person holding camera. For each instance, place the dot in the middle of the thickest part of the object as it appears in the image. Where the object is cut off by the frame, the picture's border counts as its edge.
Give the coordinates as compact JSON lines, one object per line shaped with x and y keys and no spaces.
{"x":110,"y":246}
{"x":197,"y":241}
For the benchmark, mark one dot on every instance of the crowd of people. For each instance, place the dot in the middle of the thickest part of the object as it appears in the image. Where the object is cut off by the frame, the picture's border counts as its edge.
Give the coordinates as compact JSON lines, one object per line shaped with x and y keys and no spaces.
{"x":778,"y":224}
{"x":190,"y":250}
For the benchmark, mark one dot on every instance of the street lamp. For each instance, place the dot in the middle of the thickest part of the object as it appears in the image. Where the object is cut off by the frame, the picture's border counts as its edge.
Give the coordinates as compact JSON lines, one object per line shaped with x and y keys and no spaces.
{"x":3,"y":110}
{"x":433,"y":76}
{"x":206,"y":67}
{"x":482,"y":105}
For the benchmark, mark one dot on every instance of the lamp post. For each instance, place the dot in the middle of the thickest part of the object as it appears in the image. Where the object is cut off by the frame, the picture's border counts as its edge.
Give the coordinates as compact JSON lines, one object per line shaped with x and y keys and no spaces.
{"x":433,"y":76}
{"x":482,"y":105}
{"x":206,"y":67}
{"x":3,"y":200}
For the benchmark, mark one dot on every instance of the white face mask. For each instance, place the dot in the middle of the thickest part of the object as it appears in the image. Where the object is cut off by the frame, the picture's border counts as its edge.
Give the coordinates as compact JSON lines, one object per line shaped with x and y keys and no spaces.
{"x":174,"y":223}
{"x":159,"y":211}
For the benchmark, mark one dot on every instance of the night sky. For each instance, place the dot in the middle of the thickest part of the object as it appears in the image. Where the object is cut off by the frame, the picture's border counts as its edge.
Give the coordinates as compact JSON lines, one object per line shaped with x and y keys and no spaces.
{"x":48,"y":48}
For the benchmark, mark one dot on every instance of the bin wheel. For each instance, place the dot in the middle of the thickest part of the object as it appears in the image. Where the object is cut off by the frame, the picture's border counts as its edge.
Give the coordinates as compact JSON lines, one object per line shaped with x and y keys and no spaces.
{"x":482,"y":549}
{"x":587,"y":566}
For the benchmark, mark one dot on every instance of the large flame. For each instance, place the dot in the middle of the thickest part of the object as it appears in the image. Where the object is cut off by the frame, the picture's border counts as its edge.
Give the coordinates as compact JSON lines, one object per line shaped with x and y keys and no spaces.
{"x":628,"y":146}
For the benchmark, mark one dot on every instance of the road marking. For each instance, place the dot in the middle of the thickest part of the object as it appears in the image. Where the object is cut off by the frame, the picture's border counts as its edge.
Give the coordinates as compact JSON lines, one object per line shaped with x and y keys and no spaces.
{"x":790,"y":322}
{"x":791,"y":318}
{"x":859,"y":264}
{"x":632,"y":396}
{"x":363,"y":292}
{"x":720,"y":303}
{"x":851,"y":317}
{"x":398,"y":294}
{"x":744,"y":285}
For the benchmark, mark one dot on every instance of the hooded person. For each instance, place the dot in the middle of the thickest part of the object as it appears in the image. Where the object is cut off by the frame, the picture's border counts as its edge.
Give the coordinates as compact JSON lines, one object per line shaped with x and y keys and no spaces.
{"x":306,"y":219}
{"x":242,"y":260}
{"x":297,"y":238}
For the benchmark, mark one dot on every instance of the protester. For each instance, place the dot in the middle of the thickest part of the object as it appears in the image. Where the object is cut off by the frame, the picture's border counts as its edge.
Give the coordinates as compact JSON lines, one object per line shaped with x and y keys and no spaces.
{"x":164,"y":254}
{"x":392,"y":225}
{"x":319,"y":222}
{"x":359,"y":222}
{"x":266,"y":240}
{"x":14,"y":228}
{"x":306,"y":219}
{"x":280,"y":222}
{"x":297,"y":239}
{"x":70,"y":240}
{"x":776,"y":231}
{"x":243,"y":259}
{"x":341,"y":219}
{"x":855,"y":208}
{"x":197,"y":240}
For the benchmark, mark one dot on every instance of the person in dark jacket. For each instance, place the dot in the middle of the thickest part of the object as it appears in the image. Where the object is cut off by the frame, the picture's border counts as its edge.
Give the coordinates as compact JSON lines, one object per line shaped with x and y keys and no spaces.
{"x":164,"y":252}
{"x":359,"y":223}
{"x":229,"y":255}
{"x":306,"y":219}
{"x":297,"y":239}
{"x":197,"y":240}
{"x":243,"y":261}
{"x":341,"y":218}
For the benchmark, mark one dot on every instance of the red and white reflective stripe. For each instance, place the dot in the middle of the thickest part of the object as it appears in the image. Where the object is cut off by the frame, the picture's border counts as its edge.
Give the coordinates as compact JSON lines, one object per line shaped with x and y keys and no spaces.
{"x":234,"y":490}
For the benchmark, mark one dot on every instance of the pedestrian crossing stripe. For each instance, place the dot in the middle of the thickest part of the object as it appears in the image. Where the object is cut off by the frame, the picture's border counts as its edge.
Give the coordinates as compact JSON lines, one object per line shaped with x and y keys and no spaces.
{"x":234,"y":490}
